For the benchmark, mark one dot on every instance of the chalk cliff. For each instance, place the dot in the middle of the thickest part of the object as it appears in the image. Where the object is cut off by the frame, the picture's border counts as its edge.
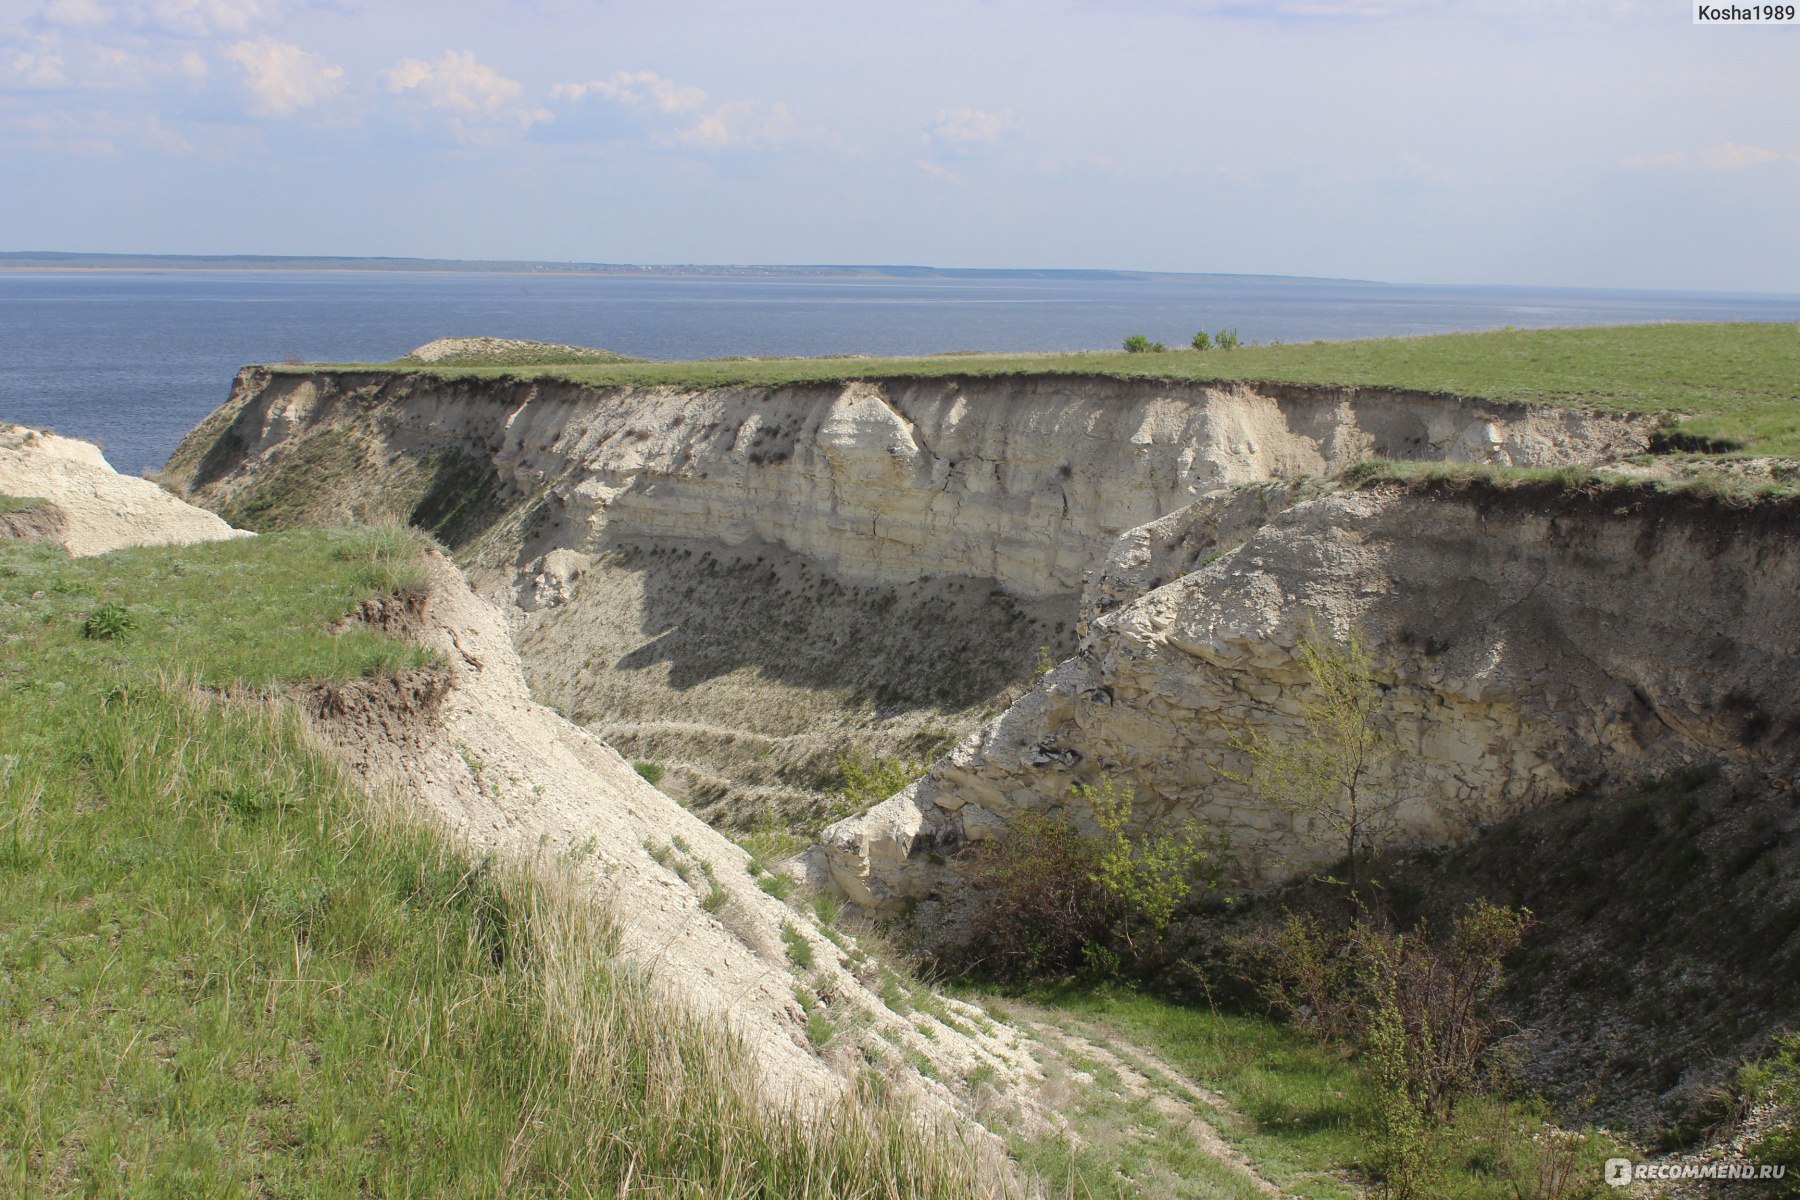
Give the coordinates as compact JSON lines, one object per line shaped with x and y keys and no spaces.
{"x":1530,"y":641}
{"x":738,"y":582}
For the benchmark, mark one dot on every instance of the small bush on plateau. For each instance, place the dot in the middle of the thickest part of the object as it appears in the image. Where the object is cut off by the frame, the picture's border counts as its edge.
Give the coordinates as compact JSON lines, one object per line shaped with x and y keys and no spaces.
{"x":108,"y":623}
{"x":1137,"y":343}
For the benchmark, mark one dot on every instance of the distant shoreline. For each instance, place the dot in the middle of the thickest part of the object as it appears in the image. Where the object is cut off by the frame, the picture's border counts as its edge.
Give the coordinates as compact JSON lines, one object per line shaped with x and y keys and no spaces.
{"x":37,"y":260}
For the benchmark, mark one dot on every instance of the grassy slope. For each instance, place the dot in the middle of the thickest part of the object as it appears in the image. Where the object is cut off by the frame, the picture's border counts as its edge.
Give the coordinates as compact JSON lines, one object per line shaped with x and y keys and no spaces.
{"x":1306,"y":1112}
{"x":1736,"y":382}
{"x":10,"y":504}
{"x":224,"y":977}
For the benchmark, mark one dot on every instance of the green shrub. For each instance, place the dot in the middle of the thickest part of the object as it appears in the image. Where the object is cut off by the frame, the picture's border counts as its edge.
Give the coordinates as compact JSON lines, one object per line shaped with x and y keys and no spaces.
{"x":108,"y":623}
{"x":1777,"y":1079}
{"x":865,"y":781}
{"x":650,"y":772}
{"x":1202,"y":341}
{"x":1065,"y":902}
{"x":1137,"y":343}
{"x":799,"y":950}
{"x":1146,"y":875}
{"x":1226,"y":339}
{"x":1369,"y":985}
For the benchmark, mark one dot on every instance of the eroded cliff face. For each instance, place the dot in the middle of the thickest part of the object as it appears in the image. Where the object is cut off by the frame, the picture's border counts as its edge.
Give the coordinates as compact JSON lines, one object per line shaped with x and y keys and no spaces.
{"x":1024,"y":481}
{"x":740,"y":583}
{"x":1531,"y":642}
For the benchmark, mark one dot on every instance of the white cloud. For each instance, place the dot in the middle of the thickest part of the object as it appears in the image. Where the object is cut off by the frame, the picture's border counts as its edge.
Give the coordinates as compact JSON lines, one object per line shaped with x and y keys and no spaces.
{"x":936,"y":170}
{"x":281,"y":76}
{"x":39,"y":65}
{"x":188,"y":18}
{"x":1726,"y":156}
{"x":477,"y":100}
{"x":99,"y":134}
{"x":86,"y":13}
{"x":636,"y":89}
{"x":970,"y":127}
{"x":200,"y":18}
{"x":741,"y":124}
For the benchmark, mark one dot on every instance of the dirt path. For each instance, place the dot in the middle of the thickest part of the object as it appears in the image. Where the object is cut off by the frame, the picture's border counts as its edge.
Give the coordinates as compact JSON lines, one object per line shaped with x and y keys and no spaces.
{"x":1125,"y":1102}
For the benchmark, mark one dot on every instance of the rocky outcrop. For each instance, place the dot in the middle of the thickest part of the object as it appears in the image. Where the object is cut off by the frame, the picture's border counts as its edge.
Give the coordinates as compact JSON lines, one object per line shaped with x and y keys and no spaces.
{"x":88,"y":507}
{"x":739,"y":583}
{"x":1022,"y":480}
{"x":1531,"y":642}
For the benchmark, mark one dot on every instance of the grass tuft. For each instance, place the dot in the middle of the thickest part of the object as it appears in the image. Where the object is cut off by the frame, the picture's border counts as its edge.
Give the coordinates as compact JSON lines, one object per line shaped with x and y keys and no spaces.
{"x":799,"y":950}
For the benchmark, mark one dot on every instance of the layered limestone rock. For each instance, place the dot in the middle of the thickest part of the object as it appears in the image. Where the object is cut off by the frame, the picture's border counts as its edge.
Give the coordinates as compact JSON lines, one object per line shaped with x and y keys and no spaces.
{"x":1530,"y":642}
{"x":1021,"y":480}
{"x":739,"y":583}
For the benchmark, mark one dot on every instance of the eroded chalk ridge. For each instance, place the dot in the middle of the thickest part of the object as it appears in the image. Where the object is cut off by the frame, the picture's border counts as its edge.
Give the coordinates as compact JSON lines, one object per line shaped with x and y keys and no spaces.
{"x":742,"y":583}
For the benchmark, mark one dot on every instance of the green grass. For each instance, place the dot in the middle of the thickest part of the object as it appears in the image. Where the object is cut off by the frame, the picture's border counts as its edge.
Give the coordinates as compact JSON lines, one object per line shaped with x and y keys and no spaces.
{"x":1306,"y":1108}
{"x":12,"y":504}
{"x":1304,"y":1104}
{"x":799,"y":950}
{"x":226,"y":976}
{"x":1740,"y":383}
{"x":1700,"y":478}
{"x":249,"y":611}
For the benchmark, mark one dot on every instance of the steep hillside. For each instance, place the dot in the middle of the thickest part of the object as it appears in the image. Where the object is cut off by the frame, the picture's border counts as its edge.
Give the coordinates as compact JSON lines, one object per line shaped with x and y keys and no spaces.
{"x":233,"y":968}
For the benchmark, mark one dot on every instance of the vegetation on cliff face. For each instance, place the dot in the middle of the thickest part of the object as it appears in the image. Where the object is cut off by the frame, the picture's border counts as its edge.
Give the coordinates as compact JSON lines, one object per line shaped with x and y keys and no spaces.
{"x":1732,"y":386}
{"x":230,"y":972}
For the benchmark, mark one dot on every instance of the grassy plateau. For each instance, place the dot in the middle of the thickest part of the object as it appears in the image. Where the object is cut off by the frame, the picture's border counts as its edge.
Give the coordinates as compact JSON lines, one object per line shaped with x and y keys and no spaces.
{"x":1735,"y":384}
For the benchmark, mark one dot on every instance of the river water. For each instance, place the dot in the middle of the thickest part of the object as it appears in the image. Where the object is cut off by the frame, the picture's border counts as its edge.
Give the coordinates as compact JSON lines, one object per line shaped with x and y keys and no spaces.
{"x":133,"y":359}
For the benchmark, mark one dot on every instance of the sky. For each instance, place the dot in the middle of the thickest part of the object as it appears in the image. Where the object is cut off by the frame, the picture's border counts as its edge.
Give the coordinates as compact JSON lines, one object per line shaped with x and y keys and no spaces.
{"x":1579,"y":143}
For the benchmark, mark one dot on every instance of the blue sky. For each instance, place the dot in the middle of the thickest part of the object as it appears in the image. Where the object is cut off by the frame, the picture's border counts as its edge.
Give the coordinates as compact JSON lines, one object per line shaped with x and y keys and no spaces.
{"x":1486,"y":141}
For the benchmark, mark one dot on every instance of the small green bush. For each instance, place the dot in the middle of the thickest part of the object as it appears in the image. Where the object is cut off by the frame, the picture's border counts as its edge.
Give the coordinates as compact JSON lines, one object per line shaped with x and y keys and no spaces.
{"x":1226,"y":339}
{"x":1137,"y":343}
{"x":863,"y":781}
{"x":1066,"y":902}
{"x":1202,"y":341}
{"x":650,"y":772}
{"x":108,"y":623}
{"x":799,"y":950}
{"x":1777,"y":1079}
